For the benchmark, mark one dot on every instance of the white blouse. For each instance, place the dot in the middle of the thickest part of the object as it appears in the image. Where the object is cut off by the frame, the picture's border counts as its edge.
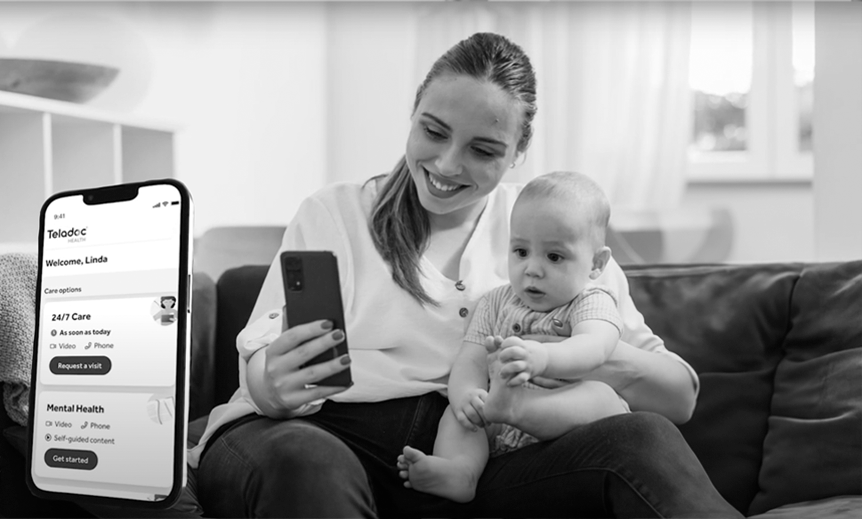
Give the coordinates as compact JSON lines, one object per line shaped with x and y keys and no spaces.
{"x":398,"y":347}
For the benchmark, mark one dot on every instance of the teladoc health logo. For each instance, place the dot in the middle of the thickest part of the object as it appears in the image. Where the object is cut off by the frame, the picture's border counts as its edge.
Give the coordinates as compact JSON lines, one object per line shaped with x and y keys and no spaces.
{"x":74,"y":234}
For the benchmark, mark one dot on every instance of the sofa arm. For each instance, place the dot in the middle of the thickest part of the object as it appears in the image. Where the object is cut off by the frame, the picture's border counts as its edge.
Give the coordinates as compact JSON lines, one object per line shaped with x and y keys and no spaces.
{"x":202,"y":380}
{"x":237,"y":291}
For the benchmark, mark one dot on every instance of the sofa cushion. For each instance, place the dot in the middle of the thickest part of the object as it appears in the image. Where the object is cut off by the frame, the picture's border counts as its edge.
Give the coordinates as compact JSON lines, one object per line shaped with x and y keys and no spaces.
{"x":814,"y":444}
{"x":841,"y":507}
{"x":729,"y":323}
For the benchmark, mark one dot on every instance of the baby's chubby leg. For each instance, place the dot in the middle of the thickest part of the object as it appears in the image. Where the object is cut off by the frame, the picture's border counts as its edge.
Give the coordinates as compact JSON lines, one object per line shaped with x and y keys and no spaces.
{"x":453,"y":470}
{"x":548,"y":414}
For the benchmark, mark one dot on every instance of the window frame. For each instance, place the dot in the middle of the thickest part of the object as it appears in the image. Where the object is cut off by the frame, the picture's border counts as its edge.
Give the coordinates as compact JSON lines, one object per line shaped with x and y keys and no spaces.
{"x":772,"y":114}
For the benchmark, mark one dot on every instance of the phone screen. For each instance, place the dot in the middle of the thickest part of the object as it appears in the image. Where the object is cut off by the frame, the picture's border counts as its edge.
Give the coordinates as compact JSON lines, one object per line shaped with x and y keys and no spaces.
{"x":108,"y":405}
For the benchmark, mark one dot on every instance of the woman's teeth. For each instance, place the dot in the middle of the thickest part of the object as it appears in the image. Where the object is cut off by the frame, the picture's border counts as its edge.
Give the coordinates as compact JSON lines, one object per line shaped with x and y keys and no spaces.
{"x":440,"y":186}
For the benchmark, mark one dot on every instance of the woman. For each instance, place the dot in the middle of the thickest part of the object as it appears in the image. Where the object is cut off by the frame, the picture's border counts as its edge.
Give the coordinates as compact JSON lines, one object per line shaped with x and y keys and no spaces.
{"x":416,"y":250}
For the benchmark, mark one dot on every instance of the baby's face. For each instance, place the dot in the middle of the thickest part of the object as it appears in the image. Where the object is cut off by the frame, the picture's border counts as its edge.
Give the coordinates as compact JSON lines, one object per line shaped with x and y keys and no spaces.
{"x":550,"y":253}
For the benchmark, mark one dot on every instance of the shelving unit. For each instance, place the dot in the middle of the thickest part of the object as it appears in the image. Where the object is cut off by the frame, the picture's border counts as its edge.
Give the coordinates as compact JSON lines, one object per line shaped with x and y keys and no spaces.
{"x":49,"y":146}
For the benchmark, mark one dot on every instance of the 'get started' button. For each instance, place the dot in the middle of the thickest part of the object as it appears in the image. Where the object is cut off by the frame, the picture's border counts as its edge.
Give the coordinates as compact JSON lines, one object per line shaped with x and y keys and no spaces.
{"x":71,"y":459}
{"x":96,"y":365}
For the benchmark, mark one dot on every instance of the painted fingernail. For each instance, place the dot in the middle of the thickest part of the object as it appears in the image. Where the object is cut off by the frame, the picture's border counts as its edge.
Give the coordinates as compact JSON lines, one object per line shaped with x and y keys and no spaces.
{"x":326,"y":325}
{"x":345,"y":360}
{"x":338,"y":335}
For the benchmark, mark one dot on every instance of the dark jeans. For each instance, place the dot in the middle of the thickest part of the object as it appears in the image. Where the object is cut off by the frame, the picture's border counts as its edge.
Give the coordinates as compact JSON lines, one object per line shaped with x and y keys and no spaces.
{"x":340,"y":462}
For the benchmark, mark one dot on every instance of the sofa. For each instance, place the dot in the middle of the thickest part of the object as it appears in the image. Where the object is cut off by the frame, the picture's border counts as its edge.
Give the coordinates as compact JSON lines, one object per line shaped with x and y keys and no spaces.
{"x":778,"y":424}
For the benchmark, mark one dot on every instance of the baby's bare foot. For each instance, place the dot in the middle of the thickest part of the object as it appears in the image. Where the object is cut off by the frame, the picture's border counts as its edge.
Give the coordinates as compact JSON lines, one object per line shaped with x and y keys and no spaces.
{"x":437,"y":476}
{"x":503,"y":400}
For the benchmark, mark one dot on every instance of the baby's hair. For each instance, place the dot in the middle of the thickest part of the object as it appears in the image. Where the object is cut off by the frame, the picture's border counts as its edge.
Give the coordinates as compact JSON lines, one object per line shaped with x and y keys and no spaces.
{"x":577,"y":189}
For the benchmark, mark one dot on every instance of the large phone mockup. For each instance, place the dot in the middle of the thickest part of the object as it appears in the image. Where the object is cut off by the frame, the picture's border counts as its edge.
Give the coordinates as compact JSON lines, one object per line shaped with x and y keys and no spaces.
{"x":109,"y":387}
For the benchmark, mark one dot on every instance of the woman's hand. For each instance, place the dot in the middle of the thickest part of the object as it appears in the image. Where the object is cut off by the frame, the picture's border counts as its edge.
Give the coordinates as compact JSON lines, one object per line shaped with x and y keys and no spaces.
{"x":278,"y":383}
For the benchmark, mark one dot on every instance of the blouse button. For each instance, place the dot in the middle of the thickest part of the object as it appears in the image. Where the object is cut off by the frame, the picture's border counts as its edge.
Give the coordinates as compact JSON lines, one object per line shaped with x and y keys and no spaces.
{"x":460,"y":285}
{"x":516,"y":328}
{"x":463,"y":312}
{"x":273,"y":315}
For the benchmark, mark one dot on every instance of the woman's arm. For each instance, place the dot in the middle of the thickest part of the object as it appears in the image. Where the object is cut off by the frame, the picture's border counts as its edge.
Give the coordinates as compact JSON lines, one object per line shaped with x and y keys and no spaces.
{"x":649,"y":381}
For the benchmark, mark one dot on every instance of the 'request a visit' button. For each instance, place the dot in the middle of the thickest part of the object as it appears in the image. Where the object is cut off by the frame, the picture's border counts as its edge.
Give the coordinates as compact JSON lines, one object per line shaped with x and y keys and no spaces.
{"x":71,"y":459}
{"x":96,"y":365}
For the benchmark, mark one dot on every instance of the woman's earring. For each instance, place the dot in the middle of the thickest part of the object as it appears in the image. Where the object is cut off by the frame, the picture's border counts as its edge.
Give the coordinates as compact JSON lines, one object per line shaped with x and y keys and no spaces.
{"x":512,"y":166}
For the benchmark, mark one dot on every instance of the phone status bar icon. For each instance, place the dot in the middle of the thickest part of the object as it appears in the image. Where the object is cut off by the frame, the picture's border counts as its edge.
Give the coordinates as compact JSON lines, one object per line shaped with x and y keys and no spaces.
{"x":165,"y":203}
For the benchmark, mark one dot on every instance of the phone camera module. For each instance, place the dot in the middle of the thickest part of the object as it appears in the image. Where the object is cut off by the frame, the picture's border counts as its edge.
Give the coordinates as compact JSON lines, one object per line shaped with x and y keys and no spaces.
{"x":293,"y":271}
{"x":294,"y":281}
{"x":293,"y":263}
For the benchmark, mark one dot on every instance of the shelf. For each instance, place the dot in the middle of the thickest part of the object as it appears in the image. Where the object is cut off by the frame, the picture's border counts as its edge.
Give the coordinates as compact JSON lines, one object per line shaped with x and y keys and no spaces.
{"x":49,"y":146}
{"x":12,"y":102}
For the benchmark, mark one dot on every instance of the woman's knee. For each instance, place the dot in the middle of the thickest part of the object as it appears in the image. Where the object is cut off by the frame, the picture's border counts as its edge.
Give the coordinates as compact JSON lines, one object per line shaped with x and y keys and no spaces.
{"x":287,"y":468}
{"x":645,"y":430}
{"x":626,"y":439}
{"x":648,"y":443}
{"x":306,"y":455}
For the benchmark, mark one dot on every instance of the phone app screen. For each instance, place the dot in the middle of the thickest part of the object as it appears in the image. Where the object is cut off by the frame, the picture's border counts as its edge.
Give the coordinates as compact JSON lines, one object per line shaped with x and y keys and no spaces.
{"x":105,"y":393}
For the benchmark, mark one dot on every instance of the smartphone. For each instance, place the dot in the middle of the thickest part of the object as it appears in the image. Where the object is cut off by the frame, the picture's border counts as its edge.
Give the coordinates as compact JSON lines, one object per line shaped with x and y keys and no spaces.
{"x":312,"y":291}
{"x":109,"y":384}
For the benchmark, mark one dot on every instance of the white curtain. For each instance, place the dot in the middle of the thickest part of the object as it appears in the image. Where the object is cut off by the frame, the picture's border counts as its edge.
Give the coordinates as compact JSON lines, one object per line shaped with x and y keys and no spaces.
{"x":613,"y":92}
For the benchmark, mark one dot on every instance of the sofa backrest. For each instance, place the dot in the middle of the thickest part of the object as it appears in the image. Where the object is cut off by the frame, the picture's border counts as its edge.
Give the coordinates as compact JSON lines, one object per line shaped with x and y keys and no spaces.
{"x":729,"y":323}
{"x":813,"y":448}
{"x":778,"y":349}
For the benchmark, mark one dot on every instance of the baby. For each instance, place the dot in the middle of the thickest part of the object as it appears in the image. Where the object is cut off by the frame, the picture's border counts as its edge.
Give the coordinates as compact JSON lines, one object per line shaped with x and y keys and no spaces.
{"x":557,"y":247}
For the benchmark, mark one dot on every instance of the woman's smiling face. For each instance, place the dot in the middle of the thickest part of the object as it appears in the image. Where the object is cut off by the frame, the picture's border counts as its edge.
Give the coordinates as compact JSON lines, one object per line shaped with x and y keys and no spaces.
{"x":463,"y":137}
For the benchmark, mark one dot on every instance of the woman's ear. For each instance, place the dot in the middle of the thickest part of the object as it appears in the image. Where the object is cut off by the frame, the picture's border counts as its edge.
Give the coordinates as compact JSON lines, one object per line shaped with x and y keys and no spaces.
{"x":600,"y":261}
{"x":519,"y":155}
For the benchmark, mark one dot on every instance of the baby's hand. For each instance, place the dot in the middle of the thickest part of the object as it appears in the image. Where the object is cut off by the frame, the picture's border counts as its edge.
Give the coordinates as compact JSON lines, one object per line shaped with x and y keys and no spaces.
{"x":469,"y":409}
{"x":492,"y":344}
{"x":522,"y":360}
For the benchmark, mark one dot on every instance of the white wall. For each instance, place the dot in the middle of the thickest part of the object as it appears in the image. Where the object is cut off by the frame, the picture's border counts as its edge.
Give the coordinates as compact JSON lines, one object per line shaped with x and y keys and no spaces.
{"x":370,"y":87}
{"x":838,"y":132}
{"x":246,"y":86}
{"x":773,"y":222}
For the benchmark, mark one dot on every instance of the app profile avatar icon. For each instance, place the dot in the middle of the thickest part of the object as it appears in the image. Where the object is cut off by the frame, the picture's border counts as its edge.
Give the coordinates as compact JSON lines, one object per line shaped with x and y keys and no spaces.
{"x":165,"y":310}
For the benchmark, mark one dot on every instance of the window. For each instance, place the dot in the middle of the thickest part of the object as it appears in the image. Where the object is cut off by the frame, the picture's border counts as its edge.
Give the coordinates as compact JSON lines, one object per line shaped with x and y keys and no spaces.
{"x":751,"y":77}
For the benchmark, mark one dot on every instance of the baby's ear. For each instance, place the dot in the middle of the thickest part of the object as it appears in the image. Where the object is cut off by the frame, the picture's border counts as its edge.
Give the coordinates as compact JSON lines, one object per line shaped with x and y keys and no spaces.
{"x":600,"y":261}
